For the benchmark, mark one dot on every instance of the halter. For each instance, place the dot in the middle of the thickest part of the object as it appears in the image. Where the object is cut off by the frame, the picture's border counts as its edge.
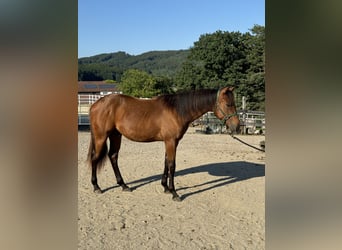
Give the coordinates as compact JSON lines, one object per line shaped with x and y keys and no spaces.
{"x":225,"y":116}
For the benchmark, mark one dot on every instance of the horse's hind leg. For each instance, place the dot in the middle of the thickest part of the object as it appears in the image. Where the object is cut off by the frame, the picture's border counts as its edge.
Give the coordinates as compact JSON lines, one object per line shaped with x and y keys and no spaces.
{"x":97,"y":189}
{"x":113,"y":154}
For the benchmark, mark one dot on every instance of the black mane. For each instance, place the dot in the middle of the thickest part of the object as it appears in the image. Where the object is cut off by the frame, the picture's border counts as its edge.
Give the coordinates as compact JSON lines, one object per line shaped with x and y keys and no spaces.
{"x":188,"y":102}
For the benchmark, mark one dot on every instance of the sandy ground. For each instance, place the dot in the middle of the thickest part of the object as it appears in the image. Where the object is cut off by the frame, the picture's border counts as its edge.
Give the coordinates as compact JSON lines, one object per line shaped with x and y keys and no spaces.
{"x":221,"y":182}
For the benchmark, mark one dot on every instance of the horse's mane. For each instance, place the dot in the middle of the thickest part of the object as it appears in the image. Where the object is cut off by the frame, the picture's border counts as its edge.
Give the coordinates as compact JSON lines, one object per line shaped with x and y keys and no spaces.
{"x":187,"y":102}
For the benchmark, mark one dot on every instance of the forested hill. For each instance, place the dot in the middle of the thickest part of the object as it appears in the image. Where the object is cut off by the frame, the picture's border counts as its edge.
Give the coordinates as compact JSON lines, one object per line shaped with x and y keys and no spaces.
{"x":112,"y":65}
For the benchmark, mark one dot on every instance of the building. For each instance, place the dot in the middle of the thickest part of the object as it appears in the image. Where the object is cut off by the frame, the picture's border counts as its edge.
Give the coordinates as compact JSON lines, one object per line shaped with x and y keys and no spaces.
{"x":88,"y":93}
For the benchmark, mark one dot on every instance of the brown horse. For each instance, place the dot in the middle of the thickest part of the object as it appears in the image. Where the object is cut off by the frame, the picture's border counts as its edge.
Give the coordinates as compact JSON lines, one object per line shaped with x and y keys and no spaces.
{"x":163,"y":118}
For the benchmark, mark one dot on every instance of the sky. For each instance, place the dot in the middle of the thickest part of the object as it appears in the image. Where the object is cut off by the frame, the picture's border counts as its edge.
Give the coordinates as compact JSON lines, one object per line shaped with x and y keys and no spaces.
{"x":139,"y":26}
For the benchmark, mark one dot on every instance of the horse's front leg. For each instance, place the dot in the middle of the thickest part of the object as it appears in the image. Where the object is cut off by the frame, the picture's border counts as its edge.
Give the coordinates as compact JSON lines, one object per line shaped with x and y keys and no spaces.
{"x":165,"y":176}
{"x":170,"y":168}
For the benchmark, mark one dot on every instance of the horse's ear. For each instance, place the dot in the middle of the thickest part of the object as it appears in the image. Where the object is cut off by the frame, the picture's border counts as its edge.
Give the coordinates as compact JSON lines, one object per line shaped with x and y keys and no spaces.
{"x":230,"y":88}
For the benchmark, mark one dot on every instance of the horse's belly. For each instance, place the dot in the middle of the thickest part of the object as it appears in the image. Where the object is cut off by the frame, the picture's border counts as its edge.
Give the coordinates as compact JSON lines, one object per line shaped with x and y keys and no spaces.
{"x":141,"y":133}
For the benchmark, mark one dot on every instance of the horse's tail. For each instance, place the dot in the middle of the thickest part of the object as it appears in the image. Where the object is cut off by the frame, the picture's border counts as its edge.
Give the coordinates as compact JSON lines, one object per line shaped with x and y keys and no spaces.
{"x":92,"y":154}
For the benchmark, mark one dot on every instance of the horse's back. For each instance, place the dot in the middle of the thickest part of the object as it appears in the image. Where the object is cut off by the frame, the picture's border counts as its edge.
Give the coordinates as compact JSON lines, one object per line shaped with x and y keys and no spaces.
{"x":137,"y":119}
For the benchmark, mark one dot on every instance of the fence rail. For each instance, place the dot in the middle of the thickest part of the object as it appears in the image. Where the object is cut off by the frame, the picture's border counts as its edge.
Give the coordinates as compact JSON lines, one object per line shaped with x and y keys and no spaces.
{"x":84,"y":103}
{"x":251,"y":122}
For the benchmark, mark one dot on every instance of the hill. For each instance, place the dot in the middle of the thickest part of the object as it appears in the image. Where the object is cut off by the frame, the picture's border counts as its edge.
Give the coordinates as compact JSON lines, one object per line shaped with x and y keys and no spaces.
{"x":112,"y":65}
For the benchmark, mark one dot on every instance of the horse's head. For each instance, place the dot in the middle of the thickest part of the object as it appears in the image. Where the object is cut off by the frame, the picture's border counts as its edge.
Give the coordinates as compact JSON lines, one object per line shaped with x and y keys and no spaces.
{"x":225,"y":109}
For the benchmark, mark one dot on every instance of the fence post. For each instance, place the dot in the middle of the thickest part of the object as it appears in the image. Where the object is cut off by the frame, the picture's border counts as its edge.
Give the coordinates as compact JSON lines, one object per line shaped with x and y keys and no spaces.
{"x":244,"y":114}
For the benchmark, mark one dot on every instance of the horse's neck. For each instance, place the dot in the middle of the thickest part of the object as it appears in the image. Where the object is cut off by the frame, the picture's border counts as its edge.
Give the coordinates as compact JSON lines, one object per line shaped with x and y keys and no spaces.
{"x":201,"y":109}
{"x":198,"y":113}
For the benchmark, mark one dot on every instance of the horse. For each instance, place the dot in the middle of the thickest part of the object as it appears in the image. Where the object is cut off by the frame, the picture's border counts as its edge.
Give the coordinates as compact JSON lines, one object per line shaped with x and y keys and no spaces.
{"x":162,"y":118}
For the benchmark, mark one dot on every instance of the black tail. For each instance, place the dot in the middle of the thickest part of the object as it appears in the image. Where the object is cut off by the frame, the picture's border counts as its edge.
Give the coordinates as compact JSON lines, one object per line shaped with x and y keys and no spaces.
{"x":100,"y":160}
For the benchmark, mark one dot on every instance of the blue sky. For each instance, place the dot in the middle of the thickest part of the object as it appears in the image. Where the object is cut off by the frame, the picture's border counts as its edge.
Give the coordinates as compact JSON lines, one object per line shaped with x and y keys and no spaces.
{"x":138,"y":26}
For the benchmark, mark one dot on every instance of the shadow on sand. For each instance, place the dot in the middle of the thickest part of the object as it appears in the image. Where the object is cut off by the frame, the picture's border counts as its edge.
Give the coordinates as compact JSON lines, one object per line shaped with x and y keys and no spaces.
{"x":229,"y":172}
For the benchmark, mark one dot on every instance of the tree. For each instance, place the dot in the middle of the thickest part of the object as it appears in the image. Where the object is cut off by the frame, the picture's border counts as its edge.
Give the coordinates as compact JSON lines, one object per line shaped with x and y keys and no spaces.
{"x":163,"y":85}
{"x":228,"y":58}
{"x":94,"y":72}
{"x":255,"y":81}
{"x":216,"y":60}
{"x":138,"y":83}
{"x":190,"y":77}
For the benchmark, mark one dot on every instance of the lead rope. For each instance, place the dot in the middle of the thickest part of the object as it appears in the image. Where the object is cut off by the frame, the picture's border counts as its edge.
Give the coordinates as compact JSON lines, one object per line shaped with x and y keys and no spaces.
{"x":260,"y":149}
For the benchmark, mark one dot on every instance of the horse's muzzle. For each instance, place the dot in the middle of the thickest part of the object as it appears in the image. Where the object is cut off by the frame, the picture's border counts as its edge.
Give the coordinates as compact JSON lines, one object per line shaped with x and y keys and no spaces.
{"x":234,"y":128}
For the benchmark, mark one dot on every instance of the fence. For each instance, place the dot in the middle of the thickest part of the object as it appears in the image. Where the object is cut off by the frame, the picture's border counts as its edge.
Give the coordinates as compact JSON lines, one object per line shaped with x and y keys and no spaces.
{"x":251,"y":122}
{"x":84,"y":103}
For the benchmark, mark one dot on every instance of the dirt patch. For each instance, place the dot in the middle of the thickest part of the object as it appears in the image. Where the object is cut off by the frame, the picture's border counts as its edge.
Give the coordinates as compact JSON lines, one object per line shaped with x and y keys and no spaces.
{"x":221,"y":182}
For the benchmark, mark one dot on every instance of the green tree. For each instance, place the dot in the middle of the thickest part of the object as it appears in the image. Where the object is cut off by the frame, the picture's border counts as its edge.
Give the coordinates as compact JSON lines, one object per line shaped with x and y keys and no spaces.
{"x":215,"y":60}
{"x":228,"y":58}
{"x":222,"y":54}
{"x":94,"y":72}
{"x":190,"y":76}
{"x":255,"y":82}
{"x":163,"y":85}
{"x":138,"y":83}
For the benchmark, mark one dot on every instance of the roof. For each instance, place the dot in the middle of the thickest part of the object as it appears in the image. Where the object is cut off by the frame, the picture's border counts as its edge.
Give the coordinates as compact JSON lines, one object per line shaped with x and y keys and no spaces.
{"x":96,"y":87}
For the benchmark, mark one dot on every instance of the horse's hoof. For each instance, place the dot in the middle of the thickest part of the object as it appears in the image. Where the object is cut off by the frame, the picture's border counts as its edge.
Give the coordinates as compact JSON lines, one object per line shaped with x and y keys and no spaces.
{"x":176,"y":198}
{"x":167,"y":191}
{"x":127,"y":189}
{"x":98,"y":191}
